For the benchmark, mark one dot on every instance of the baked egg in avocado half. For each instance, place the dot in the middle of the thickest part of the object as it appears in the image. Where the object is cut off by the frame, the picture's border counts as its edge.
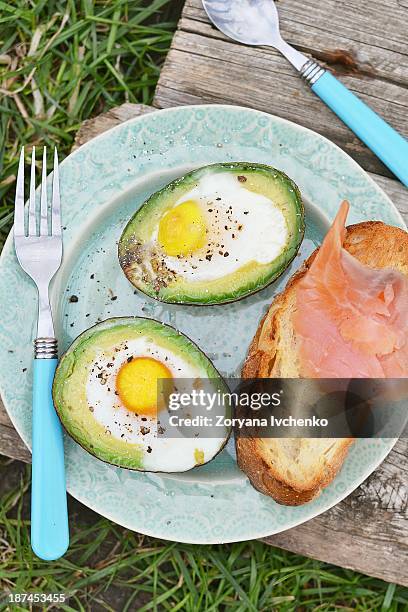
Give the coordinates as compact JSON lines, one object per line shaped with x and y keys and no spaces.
{"x":107,"y":395}
{"x":216,"y":235}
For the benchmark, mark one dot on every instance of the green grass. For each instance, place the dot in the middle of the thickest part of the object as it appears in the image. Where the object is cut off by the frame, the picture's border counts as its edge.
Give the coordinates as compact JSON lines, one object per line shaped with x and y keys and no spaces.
{"x":110,"y":568}
{"x":62,"y":62}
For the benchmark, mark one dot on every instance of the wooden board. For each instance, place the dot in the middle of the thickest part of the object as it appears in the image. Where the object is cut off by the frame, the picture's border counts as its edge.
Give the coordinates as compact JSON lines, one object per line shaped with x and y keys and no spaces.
{"x":363,"y":41}
{"x":368,"y":531}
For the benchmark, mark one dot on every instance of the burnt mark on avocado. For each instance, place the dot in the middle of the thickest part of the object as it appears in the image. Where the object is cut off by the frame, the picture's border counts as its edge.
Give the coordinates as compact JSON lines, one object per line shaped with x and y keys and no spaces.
{"x":163,"y":274}
{"x":133,"y":254}
{"x":140,"y":262}
{"x":242,"y":178}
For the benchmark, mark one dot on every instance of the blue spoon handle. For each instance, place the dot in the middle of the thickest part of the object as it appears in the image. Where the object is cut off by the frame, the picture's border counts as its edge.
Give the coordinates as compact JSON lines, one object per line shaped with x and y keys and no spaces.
{"x":49,"y":515}
{"x":381,"y":138}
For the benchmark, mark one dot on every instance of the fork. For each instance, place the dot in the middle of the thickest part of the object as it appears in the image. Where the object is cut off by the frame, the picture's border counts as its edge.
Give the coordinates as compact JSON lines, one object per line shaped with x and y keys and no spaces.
{"x":38,"y":245}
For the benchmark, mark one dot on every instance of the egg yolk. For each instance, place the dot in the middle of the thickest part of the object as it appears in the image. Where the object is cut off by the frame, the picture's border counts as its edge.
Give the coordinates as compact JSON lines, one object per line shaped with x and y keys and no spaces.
{"x":137,"y":385}
{"x":182,"y":229}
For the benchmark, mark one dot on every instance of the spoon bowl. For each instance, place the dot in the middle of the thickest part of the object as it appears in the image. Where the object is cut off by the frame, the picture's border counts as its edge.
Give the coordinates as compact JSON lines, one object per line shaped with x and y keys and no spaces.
{"x":252,"y":22}
{"x":247,"y":21}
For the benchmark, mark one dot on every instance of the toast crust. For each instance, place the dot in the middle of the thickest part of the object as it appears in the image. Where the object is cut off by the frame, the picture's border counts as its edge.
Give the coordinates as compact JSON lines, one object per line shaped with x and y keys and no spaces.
{"x":373,"y":243}
{"x":269,"y":482}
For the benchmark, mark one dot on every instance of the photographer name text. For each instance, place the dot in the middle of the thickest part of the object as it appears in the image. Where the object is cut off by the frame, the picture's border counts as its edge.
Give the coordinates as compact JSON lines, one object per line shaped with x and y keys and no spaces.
{"x":223,"y":421}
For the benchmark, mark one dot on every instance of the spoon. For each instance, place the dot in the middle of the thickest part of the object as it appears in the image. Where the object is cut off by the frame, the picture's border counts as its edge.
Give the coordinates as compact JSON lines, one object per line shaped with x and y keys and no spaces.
{"x":256,"y":22}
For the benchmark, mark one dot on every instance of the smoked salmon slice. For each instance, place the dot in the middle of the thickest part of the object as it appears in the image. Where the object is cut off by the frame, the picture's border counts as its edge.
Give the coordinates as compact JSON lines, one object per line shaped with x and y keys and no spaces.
{"x":351,"y":320}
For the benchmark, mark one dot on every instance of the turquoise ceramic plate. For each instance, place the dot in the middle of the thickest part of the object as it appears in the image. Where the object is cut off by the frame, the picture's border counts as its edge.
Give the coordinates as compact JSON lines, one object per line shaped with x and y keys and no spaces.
{"x":102,"y":184}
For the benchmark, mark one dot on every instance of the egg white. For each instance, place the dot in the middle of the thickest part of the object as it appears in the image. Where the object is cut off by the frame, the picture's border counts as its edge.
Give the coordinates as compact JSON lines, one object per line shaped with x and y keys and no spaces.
{"x":261,"y":238}
{"x":159,"y":453}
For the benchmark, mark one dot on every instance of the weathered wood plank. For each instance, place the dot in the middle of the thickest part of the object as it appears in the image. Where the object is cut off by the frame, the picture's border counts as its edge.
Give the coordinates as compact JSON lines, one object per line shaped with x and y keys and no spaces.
{"x":369,"y":33}
{"x":203,"y":65}
{"x":4,"y":417}
{"x":366,"y":532}
{"x":395,"y":191}
{"x":93,"y":127}
{"x":11,"y":445}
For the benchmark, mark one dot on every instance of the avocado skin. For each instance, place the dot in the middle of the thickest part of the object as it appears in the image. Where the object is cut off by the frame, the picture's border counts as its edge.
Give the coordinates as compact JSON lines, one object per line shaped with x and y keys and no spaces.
{"x":129,"y":245}
{"x":69,"y":361}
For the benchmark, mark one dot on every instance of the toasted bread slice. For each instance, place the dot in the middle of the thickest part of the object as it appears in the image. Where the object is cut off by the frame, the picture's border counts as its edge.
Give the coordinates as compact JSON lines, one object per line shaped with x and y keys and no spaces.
{"x":295,"y":470}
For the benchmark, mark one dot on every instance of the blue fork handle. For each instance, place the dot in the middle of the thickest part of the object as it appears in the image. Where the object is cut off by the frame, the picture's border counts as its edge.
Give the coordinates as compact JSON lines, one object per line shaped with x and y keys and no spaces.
{"x":49,"y":515}
{"x":381,"y":138}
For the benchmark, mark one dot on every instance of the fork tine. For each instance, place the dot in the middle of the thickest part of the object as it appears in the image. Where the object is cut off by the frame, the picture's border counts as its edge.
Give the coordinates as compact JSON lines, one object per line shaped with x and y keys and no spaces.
{"x":44,"y":205}
{"x":32,"y":225}
{"x":56,"y":204}
{"x":19,"y":201}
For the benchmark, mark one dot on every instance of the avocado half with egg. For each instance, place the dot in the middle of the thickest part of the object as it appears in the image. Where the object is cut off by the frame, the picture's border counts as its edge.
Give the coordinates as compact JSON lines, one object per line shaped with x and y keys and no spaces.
{"x":216,"y":235}
{"x":107,"y":394}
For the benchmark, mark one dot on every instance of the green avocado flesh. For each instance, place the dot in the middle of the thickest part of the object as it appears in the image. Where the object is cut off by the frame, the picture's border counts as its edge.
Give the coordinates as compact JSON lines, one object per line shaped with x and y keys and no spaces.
{"x":148,"y":267}
{"x":88,"y":404}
